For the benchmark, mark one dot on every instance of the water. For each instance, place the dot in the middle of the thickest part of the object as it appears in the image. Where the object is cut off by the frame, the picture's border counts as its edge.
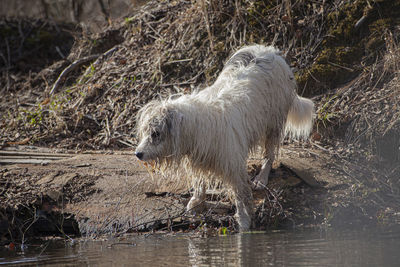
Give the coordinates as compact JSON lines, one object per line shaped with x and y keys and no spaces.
{"x":280,"y":248}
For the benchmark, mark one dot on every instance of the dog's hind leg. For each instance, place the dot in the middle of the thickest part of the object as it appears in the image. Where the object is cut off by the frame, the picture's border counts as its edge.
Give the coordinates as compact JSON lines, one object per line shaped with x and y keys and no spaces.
{"x":261,"y":179}
{"x":197,"y":202}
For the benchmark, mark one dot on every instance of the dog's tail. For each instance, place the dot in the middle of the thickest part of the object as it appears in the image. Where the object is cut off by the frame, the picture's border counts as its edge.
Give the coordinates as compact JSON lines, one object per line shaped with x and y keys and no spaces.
{"x":300,"y":118}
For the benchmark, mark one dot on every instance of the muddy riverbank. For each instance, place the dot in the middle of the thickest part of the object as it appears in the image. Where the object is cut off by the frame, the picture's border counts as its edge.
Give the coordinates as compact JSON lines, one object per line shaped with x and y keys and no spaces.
{"x":111,"y":193}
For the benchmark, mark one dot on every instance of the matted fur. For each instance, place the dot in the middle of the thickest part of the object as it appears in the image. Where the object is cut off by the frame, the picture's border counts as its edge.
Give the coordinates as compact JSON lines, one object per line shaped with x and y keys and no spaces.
{"x":253,"y":102}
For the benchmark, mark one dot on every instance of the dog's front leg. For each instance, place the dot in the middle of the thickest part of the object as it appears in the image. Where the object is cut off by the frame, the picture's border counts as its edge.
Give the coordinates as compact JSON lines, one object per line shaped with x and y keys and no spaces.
{"x":197,"y":202}
{"x":244,"y":205}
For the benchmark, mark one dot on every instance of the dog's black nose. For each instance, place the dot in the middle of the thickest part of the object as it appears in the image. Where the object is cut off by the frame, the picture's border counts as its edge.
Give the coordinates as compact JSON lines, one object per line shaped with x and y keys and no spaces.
{"x":139,"y":155}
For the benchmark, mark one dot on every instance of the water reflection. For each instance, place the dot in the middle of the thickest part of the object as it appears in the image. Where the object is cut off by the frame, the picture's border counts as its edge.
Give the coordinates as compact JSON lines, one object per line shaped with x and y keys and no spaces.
{"x":309,"y":248}
{"x":305,"y":248}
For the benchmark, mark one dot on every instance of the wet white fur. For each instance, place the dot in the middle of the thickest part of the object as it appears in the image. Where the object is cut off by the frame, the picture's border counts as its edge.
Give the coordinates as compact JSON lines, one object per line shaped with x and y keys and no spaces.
{"x":253,"y":102}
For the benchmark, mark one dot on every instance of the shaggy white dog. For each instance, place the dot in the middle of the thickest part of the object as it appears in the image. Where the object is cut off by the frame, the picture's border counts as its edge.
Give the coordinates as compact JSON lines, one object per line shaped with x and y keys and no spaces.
{"x":253,"y":102}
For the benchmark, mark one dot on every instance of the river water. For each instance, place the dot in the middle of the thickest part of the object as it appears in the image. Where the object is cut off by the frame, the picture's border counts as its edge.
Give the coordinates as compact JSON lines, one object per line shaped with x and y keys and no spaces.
{"x":275,"y":248}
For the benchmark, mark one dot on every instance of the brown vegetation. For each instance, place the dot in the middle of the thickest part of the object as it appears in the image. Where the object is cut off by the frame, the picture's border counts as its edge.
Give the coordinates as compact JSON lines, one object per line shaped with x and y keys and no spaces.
{"x":172,"y":48}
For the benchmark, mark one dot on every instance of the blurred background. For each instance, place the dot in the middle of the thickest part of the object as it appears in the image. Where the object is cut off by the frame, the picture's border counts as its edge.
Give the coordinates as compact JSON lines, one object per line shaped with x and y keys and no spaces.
{"x":90,"y":14}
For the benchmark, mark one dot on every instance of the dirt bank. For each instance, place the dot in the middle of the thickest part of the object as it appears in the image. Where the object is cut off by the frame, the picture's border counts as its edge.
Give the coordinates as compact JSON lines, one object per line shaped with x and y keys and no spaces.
{"x":112,"y":193}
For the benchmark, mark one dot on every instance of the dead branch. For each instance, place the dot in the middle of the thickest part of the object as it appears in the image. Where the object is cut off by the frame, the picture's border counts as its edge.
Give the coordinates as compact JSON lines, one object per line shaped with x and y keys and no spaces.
{"x":70,"y":68}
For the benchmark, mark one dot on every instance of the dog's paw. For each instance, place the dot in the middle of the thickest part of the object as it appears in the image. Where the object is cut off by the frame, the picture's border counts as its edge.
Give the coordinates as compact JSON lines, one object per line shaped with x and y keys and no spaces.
{"x":259,"y":182}
{"x":258,"y":186}
{"x":244,"y":222}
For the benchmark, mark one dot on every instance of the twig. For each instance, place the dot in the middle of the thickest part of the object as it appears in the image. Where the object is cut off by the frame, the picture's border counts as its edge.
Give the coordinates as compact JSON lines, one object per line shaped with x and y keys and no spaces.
{"x":100,"y":58}
{"x":340,"y":66}
{"x":59,"y":52}
{"x":35,"y":218}
{"x":70,"y":68}
{"x":178,"y":61}
{"x":207,"y":21}
{"x":125,"y":143}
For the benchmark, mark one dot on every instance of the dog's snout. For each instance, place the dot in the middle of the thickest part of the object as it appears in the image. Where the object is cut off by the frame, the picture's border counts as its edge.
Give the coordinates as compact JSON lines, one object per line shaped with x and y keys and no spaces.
{"x":139,"y":155}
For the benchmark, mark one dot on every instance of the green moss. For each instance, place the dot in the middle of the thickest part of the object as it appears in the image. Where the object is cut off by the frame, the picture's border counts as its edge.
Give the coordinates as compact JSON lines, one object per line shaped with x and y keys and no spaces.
{"x":377,"y":28}
{"x":332,"y":66}
{"x":339,"y":55}
{"x":346,"y":44}
{"x":342,"y":30}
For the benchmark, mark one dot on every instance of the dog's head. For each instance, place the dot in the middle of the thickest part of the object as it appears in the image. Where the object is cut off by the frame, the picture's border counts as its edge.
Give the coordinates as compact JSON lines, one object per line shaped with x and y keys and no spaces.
{"x":158,"y":131}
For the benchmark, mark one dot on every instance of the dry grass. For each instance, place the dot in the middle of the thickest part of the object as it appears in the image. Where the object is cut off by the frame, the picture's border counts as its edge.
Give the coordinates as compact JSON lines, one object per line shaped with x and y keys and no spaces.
{"x":364,"y":129}
{"x":165,"y":49}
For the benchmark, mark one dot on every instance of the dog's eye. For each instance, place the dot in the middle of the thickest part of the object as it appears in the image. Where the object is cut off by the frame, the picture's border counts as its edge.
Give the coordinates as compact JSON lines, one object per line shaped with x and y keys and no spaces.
{"x":155,"y":134}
